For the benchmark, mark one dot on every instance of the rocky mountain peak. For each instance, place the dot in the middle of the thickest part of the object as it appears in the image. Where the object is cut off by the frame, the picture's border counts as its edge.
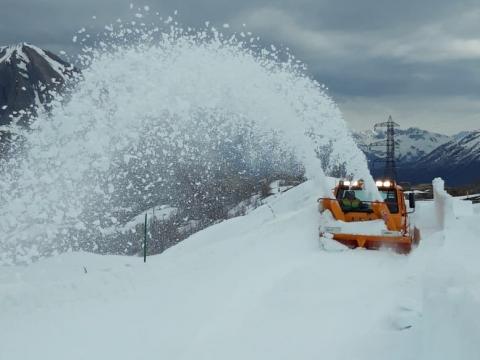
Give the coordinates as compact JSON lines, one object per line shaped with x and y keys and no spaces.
{"x":29,"y":76}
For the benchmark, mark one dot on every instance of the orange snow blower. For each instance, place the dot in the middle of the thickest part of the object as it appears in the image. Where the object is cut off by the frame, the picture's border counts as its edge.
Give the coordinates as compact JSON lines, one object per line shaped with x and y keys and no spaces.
{"x":350,"y":205}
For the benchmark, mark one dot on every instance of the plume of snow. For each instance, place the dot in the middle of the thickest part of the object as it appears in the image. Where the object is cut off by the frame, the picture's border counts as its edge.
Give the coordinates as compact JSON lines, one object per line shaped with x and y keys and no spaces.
{"x":146,"y":90}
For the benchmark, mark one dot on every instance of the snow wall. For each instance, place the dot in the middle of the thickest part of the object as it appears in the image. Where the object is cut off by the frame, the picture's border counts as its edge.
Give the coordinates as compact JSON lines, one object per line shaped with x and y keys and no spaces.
{"x":447,"y":208}
{"x":443,"y":204}
{"x":447,"y":257}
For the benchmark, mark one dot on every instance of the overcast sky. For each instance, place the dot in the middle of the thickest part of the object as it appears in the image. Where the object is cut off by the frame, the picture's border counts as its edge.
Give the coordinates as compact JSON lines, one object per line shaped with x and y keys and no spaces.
{"x":416,"y":60}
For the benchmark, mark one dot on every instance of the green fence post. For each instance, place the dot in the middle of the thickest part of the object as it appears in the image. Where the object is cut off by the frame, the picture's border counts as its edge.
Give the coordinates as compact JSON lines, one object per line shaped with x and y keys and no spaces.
{"x":145,"y":241}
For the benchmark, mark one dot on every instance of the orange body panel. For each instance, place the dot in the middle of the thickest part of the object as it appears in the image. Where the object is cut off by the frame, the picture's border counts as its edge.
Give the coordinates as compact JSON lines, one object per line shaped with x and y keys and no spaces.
{"x":401,"y":244}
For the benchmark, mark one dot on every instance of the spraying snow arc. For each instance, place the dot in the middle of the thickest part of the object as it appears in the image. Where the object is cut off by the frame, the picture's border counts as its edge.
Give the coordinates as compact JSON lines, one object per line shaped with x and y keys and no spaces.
{"x":151,"y":104}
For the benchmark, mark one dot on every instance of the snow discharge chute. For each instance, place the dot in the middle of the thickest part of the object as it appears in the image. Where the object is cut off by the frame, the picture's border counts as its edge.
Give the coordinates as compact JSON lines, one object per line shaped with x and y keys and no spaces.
{"x":152,"y":99}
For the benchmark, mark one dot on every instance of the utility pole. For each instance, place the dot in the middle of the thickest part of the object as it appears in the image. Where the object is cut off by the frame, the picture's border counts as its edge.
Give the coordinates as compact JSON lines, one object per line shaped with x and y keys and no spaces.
{"x":390,"y":170}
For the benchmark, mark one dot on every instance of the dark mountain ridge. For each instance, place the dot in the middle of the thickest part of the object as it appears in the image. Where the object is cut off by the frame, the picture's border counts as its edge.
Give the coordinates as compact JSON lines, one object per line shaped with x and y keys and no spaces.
{"x":29,"y":77}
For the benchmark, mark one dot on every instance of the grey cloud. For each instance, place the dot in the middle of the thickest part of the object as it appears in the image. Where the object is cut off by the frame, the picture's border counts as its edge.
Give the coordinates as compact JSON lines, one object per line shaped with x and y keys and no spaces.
{"x":447,"y":115}
{"x":427,"y":60}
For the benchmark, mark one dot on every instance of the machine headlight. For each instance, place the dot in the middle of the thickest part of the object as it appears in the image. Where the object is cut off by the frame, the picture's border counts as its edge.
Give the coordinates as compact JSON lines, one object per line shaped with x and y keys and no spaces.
{"x":386,"y":183}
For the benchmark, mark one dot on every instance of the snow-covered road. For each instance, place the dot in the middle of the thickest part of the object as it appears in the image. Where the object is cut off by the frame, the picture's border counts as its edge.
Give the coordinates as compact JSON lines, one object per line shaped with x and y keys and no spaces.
{"x":253,"y":287}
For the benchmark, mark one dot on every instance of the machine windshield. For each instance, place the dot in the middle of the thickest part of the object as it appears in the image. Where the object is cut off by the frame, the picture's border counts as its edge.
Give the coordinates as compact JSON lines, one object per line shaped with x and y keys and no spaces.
{"x":358,"y":200}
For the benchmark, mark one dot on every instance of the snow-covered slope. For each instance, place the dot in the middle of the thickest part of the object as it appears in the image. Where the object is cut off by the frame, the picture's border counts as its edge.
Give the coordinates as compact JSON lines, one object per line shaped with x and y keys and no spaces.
{"x":253,"y":287}
{"x":414,"y":143}
{"x":28,"y":75}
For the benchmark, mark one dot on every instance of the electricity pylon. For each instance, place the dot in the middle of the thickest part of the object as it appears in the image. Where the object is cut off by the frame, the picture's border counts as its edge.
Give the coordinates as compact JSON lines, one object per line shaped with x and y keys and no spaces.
{"x":390,"y":170}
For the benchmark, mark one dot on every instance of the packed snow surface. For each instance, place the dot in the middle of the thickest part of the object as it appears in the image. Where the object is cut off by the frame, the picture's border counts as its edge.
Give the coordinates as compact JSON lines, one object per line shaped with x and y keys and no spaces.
{"x":254,"y":287}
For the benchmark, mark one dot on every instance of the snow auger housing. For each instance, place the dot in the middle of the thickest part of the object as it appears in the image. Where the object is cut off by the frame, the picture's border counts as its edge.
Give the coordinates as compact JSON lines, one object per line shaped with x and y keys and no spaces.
{"x":349,"y":205}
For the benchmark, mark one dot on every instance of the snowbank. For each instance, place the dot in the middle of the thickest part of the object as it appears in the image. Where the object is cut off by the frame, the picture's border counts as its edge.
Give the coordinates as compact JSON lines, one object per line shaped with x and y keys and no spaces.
{"x":450,"y":277}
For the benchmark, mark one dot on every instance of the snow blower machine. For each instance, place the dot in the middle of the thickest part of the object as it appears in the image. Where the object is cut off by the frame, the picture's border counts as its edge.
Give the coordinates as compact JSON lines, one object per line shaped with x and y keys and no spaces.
{"x":353,"y":220}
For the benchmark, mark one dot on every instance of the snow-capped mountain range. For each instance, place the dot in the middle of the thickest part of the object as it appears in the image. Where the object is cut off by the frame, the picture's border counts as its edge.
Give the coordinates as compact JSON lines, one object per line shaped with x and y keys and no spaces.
{"x":413,"y":143}
{"x":28,"y":76}
{"x":455,"y":158}
{"x":466,"y":149}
